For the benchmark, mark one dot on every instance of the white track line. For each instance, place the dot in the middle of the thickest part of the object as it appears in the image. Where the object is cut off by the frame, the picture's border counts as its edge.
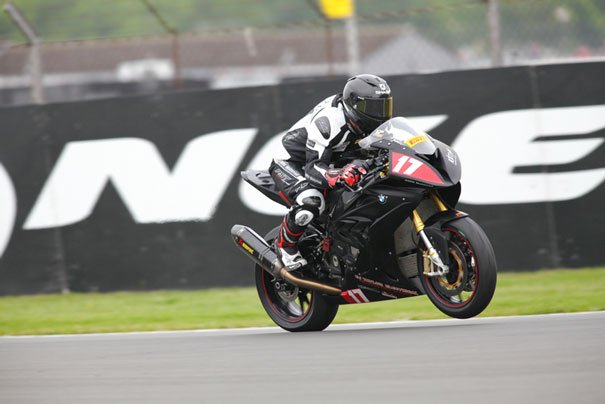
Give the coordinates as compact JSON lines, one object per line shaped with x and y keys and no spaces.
{"x":334,"y":327}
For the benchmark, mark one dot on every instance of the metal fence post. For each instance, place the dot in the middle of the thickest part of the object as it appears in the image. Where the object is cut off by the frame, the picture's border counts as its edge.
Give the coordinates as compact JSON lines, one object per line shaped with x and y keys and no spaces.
{"x":352,"y":43}
{"x":176,"y":47}
{"x":493,"y":25}
{"x":35,"y":61}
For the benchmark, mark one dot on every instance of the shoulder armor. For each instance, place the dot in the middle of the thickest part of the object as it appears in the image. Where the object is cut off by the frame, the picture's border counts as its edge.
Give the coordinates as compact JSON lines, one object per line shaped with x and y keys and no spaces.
{"x":323,"y":125}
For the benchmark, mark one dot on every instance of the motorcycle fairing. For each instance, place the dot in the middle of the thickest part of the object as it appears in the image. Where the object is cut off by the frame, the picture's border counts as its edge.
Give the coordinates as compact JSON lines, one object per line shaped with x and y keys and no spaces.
{"x":415,"y":157}
{"x":447,"y":162}
{"x":413,"y":170}
{"x":369,"y":226}
{"x":432,"y":171}
{"x":262,"y":180}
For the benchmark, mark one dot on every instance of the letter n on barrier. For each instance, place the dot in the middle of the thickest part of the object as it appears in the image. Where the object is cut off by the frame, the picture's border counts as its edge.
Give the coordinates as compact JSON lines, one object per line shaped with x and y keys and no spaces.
{"x":141,"y":177}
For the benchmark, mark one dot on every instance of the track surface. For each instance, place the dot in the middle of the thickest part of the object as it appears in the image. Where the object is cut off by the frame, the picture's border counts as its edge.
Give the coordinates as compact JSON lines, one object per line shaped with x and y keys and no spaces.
{"x":533,"y":359}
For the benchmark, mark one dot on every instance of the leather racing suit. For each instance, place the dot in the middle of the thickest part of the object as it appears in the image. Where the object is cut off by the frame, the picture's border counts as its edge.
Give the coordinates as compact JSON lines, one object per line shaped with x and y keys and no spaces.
{"x":313,"y":142}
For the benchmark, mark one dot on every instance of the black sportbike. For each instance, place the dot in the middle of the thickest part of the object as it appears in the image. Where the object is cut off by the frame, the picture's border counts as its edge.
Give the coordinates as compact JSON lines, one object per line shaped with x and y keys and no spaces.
{"x":396,"y":234}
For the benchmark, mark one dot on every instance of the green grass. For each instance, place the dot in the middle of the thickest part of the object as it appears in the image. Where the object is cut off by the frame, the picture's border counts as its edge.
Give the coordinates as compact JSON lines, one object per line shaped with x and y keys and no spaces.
{"x":516,"y":293}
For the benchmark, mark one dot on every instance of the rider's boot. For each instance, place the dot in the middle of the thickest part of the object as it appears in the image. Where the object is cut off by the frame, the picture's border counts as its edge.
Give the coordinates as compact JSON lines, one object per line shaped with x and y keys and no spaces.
{"x":287,"y":242}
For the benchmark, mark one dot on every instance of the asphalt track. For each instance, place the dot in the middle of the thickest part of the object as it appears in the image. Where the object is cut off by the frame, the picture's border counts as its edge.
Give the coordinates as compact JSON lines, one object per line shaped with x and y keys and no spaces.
{"x":534,"y":359}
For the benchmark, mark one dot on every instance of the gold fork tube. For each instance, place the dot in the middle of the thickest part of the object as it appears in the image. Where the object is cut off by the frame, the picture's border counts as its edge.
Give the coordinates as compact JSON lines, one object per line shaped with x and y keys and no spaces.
{"x":430,"y":250}
{"x":418,"y":223}
{"x":440,"y":205}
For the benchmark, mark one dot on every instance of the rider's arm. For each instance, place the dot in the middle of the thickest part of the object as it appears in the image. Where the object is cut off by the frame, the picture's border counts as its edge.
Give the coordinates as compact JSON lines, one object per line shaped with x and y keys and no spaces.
{"x":324,"y":132}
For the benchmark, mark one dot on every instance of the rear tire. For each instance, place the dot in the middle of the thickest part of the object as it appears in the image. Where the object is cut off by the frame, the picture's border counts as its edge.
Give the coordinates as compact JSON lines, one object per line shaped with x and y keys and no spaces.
{"x":293,"y":308}
{"x":469,"y":286}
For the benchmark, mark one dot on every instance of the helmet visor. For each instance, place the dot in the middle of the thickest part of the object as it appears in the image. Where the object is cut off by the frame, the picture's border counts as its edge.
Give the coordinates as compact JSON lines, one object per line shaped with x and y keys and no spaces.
{"x":377,"y":108}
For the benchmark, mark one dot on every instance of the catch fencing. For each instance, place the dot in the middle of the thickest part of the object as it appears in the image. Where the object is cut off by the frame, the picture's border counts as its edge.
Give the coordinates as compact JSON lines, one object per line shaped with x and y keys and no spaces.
{"x":140,"y":192}
{"x":98,"y":50}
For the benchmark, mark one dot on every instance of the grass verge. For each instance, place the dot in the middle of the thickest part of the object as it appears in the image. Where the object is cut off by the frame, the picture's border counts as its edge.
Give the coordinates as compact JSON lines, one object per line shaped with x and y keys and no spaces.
{"x":552,"y":291}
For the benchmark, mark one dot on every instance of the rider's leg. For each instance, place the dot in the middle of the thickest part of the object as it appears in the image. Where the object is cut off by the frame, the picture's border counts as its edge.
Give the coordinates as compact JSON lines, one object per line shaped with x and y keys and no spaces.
{"x":309,"y":204}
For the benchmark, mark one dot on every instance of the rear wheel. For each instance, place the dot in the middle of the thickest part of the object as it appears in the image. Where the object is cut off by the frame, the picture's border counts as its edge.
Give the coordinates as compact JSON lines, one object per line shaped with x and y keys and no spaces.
{"x":470,"y":283}
{"x":289,"y":306}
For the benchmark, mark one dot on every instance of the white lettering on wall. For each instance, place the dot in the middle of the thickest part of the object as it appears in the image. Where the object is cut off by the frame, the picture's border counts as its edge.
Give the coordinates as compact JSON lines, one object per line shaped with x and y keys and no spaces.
{"x":141,"y":177}
{"x":491,"y":146}
{"x":8,"y":208}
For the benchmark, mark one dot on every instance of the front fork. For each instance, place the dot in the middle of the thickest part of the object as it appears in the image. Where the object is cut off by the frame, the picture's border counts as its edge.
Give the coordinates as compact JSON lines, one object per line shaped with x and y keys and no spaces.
{"x":438,"y":268}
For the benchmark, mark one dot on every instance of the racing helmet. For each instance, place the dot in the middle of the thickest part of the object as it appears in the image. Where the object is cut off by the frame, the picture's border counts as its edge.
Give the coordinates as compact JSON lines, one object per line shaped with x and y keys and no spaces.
{"x":367,"y":103}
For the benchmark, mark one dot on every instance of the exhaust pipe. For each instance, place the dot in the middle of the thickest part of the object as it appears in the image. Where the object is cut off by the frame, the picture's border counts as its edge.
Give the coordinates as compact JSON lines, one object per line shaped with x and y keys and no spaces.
{"x":255,"y":247}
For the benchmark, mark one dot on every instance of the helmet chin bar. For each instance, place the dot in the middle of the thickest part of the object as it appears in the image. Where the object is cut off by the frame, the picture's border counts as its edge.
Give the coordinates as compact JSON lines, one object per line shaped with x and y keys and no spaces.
{"x":356,"y":129}
{"x":353,"y":126}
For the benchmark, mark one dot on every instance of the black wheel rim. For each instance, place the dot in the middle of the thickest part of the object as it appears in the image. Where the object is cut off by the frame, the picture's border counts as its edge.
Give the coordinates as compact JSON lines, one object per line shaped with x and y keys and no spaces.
{"x":291,"y":307}
{"x":459,"y":286}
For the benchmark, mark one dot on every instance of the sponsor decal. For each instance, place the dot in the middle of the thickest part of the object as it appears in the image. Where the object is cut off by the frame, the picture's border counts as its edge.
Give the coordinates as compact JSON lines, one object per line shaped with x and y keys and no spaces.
{"x":383,"y":89}
{"x":386,"y":287}
{"x":451,"y":157}
{"x":246,"y":247}
{"x":413,"y":141}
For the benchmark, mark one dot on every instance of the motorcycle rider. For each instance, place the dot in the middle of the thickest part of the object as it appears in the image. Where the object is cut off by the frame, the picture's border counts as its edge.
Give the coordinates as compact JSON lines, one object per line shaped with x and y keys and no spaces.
{"x":316,"y":140}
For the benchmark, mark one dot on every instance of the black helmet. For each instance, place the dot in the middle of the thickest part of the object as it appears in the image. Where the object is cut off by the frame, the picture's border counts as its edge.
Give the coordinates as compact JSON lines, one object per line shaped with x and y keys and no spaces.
{"x":367,"y":102}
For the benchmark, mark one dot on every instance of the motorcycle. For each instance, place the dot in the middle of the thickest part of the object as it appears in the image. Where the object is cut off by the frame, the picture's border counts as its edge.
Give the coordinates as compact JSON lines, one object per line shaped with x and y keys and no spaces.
{"x":396,"y":234}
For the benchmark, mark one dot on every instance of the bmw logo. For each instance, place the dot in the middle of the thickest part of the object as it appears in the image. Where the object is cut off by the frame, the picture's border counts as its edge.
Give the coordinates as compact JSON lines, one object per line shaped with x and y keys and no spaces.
{"x":382,"y":199}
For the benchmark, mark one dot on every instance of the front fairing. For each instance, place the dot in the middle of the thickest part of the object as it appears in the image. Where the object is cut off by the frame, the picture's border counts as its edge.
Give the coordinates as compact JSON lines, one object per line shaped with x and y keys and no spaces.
{"x":448,"y":162}
{"x":414,"y":156}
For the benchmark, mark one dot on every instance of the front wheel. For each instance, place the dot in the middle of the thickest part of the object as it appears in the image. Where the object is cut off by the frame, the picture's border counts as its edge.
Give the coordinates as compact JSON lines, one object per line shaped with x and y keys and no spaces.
{"x":289,"y":306}
{"x":470,"y":283}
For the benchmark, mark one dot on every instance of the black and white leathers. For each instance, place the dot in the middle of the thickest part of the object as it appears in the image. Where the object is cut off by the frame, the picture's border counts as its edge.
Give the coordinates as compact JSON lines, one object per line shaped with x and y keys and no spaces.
{"x":313,"y":143}
{"x":316,"y":139}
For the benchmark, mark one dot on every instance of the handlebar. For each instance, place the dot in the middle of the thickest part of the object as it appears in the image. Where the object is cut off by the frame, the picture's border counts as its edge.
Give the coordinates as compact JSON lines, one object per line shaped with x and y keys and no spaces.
{"x":371,"y":176}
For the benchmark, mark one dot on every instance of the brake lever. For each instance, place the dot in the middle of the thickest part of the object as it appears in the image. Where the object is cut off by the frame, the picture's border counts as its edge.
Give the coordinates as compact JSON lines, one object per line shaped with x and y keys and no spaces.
{"x":352,"y":189}
{"x":380,"y":162}
{"x":369,"y":182}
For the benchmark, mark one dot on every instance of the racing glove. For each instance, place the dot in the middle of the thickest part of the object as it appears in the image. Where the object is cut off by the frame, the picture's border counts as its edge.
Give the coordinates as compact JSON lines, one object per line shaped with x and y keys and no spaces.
{"x":350,"y":175}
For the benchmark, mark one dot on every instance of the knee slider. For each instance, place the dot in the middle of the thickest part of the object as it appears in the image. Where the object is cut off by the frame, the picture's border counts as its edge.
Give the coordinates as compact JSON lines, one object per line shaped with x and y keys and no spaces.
{"x":312,"y":200}
{"x":303,"y":217}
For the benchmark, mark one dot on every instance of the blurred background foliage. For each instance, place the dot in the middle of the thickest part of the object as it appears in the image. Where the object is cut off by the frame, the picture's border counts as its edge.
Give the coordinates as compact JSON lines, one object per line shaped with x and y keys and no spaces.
{"x":93,"y":47}
{"x":450,"y":22}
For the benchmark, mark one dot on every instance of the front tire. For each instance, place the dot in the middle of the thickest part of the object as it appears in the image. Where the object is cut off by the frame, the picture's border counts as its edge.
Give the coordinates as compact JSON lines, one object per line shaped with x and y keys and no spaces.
{"x":290,"y":307}
{"x":471,"y":282}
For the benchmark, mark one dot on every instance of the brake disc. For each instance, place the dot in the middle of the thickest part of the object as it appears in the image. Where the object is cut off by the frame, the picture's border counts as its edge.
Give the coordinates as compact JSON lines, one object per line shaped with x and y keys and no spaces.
{"x":286,"y":291}
{"x":453,"y":283}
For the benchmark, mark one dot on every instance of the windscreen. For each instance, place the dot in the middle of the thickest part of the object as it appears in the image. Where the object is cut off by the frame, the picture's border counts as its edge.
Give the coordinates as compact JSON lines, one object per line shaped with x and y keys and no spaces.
{"x":400,"y":131}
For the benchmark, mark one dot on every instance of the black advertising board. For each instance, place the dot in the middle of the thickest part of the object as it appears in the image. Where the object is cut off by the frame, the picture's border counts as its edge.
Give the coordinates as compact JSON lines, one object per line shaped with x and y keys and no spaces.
{"x":140,"y":192}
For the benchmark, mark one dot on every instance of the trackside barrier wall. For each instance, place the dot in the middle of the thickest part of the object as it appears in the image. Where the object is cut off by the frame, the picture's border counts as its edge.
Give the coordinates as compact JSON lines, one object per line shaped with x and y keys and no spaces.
{"x":140,"y":193}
